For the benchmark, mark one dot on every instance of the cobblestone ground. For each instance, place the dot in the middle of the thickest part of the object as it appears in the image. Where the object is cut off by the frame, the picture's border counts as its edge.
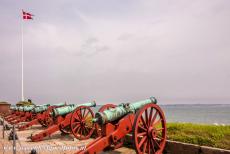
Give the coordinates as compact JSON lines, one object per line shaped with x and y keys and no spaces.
{"x":56,"y":144}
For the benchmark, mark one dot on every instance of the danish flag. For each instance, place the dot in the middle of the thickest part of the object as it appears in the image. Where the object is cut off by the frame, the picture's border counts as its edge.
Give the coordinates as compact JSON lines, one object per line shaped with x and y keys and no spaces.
{"x":26,"y":15}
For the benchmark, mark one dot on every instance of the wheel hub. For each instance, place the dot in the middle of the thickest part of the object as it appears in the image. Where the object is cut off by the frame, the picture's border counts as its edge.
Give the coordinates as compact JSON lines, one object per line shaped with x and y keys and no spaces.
{"x":152,"y":132}
{"x":82,"y":122}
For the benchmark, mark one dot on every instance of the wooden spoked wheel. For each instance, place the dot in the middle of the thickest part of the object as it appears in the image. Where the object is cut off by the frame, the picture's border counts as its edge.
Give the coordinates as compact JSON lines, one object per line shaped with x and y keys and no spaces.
{"x":106,"y":107}
{"x":103,"y":108}
{"x":98,"y":128}
{"x":81,"y":123}
{"x":48,"y":117}
{"x":149,"y":130}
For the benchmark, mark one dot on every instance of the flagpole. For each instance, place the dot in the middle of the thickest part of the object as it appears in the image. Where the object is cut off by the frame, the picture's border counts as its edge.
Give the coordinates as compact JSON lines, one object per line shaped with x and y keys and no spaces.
{"x":22,"y":61}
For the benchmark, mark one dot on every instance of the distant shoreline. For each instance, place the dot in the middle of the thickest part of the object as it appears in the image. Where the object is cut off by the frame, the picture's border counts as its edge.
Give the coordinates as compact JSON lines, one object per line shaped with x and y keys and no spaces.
{"x":206,"y":124}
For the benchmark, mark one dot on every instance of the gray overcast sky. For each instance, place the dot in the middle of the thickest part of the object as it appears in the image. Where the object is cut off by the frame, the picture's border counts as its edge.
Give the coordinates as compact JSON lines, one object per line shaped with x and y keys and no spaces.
{"x":117,"y":51}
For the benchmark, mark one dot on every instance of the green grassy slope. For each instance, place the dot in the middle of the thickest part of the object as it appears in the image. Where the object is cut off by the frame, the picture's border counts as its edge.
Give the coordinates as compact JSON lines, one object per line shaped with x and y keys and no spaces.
{"x":208,"y":135}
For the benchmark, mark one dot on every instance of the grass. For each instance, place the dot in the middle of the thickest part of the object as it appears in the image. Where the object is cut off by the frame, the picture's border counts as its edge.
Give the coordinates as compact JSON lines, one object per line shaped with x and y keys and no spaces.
{"x":206,"y":135}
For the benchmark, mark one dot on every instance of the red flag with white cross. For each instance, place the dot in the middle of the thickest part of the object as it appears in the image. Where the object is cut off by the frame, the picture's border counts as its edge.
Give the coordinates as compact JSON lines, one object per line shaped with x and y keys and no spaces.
{"x":26,"y":15}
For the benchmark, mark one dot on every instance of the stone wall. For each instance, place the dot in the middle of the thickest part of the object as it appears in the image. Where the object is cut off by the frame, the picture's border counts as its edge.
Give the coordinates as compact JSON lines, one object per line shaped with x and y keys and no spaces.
{"x":173,"y":147}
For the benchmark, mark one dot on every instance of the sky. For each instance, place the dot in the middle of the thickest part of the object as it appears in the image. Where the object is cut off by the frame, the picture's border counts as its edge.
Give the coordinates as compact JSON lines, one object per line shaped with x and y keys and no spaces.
{"x":116,"y":51}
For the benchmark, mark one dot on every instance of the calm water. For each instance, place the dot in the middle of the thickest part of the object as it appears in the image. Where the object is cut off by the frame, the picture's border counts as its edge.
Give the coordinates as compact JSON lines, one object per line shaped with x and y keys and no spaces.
{"x":209,"y":114}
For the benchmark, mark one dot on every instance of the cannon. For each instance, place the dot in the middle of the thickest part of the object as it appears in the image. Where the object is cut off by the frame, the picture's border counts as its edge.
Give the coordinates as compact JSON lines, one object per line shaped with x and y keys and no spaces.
{"x":26,"y":115}
{"x":61,"y":116}
{"x":19,"y":113}
{"x":42,"y":108}
{"x":40,"y":116}
{"x":32,"y":112}
{"x":144,"y":119}
{"x":75,"y":119}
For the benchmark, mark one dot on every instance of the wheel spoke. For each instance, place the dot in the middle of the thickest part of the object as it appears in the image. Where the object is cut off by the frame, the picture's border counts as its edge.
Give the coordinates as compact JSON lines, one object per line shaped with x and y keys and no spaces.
{"x":81,"y":132}
{"x":79,"y":114}
{"x":76,"y":128}
{"x":145,"y":145}
{"x":152,"y":146}
{"x":144,"y":129}
{"x":142,"y":141}
{"x":86,"y":129}
{"x":146,"y":118}
{"x":141,"y":134}
{"x":76,"y":119}
{"x":158,"y":137}
{"x":85,"y":116}
{"x":156,"y":123}
{"x":154,"y":141}
{"x":150,"y":116}
{"x":84,"y":113}
{"x":154,"y":118}
{"x":159,"y":129}
{"x":143,"y":121}
{"x":149,"y":152}
{"x":75,"y":124}
{"x":76,"y":116}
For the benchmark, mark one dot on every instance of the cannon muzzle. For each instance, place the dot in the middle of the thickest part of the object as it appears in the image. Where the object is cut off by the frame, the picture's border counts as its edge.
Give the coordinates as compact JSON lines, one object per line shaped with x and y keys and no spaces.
{"x":120,"y":111}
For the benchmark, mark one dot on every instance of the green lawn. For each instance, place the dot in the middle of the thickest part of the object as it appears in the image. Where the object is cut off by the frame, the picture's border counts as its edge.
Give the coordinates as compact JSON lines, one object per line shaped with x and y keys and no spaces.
{"x":208,"y":135}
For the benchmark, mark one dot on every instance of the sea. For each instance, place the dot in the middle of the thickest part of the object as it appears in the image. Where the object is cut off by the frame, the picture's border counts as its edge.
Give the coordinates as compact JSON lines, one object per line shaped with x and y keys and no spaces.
{"x":216,"y":114}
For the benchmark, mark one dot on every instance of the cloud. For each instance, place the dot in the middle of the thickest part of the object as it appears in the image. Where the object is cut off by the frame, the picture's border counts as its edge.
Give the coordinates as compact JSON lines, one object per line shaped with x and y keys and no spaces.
{"x":91,"y":40}
{"x":125,"y":36}
{"x":117,"y":51}
{"x":91,"y":47}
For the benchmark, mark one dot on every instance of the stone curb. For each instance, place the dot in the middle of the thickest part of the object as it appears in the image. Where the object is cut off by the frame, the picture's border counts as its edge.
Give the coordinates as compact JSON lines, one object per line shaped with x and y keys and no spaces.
{"x":174,"y":147}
